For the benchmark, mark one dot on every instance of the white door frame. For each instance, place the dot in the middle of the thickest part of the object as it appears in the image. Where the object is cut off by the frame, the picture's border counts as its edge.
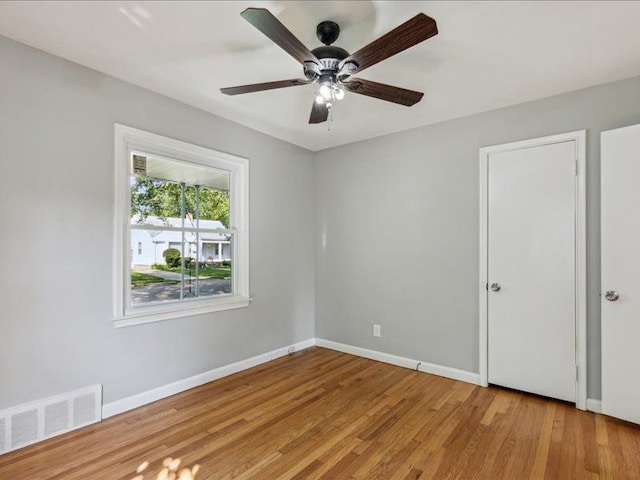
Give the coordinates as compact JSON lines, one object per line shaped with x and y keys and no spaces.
{"x":580,"y":252}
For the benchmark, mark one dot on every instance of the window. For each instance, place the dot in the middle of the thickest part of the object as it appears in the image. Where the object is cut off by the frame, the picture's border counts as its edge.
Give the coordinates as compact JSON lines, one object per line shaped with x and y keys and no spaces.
{"x":186,"y":209}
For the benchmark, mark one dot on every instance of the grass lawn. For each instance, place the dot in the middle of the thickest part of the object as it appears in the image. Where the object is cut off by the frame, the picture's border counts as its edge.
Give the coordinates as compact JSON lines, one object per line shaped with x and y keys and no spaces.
{"x":143,"y":279}
{"x":220,"y":273}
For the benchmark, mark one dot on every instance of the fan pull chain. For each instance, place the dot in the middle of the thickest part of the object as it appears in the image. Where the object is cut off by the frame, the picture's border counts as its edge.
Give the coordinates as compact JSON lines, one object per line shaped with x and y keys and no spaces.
{"x":330,"y":109}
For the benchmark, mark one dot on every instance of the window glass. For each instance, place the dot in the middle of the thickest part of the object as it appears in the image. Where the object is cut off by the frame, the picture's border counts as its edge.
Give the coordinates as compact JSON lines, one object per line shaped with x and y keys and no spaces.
{"x":181,"y":231}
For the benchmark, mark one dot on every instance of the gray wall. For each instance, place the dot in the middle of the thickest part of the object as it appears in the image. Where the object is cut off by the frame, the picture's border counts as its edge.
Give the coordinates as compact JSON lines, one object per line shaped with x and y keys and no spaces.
{"x":397,"y":227}
{"x":394,"y":221}
{"x":56,"y":209}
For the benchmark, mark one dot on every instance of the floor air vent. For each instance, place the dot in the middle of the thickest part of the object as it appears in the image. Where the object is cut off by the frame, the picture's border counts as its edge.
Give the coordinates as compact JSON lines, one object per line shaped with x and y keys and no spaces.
{"x":29,"y":423}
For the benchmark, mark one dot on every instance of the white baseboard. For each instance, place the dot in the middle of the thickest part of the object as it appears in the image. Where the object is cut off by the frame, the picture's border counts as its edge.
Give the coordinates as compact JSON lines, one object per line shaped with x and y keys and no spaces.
{"x":134,"y":401}
{"x":426,"y":367}
{"x":143,"y":398}
{"x":594,"y":405}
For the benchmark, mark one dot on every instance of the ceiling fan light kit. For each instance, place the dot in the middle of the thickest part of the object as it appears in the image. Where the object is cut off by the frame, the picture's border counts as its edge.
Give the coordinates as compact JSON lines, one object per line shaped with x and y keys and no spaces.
{"x":332,"y":68}
{"x":329,"y":92}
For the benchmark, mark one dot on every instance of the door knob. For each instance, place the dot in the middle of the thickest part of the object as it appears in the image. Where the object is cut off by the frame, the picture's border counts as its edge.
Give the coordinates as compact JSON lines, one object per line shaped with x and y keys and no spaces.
{"x":611,"y":295}
{"x":495,"y":287}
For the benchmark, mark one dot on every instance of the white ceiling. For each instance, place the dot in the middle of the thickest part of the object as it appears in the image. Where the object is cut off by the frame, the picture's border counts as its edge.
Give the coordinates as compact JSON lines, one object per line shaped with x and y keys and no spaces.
{"x":487,"y":55}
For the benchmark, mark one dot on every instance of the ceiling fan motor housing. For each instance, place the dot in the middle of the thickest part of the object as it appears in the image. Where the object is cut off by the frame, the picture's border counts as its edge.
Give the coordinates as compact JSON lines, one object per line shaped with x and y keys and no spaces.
{"x":330,"y":57}
{"x":330,"y":52}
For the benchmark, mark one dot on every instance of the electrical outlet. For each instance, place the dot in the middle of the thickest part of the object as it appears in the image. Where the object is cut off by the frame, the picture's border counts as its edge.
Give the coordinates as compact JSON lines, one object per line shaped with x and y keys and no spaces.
{"x":292,"y":349}
{"x":376,"y":330}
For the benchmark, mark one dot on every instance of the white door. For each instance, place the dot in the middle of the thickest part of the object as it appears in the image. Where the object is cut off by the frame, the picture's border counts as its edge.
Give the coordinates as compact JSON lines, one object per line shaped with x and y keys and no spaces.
{"x":620,"y":223}
{"x":531,"y":305}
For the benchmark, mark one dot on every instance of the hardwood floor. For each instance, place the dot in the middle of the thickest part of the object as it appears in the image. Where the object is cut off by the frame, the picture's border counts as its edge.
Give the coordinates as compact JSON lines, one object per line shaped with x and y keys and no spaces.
{"x":320,"y":414}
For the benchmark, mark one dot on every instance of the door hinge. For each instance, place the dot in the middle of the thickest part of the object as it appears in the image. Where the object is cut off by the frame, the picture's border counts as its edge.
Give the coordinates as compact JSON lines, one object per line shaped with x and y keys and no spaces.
{"x":576,"y":373}
{"x":575,"y":167}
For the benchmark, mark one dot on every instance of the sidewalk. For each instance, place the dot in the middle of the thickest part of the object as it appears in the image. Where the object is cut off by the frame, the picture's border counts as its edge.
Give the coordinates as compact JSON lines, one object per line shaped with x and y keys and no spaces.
{"x":158,"y":292}
{"x":162,"y":274}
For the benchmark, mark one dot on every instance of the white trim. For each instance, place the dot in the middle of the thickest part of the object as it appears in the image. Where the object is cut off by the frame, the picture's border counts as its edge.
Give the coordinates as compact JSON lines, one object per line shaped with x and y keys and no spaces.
{"x":129,"y":140}
{"x":182,"y":309}
{"x":454,"y":373}
{"x":484,"y":267}
{"x":579,"y":137}
{"x":581,"y":268}
{"x":594,"y":405}
{"x":143,"y":398}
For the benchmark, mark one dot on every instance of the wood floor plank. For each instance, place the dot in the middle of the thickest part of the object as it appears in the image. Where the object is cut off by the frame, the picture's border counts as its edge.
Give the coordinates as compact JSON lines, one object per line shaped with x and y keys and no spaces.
{"x":321,"y":414}
{"x":539,"y":466}
{"x":482,"y":460}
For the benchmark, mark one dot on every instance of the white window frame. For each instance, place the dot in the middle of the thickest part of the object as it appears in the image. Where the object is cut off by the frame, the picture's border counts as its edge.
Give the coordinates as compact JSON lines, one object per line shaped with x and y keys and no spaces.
{"x":129,"y":140}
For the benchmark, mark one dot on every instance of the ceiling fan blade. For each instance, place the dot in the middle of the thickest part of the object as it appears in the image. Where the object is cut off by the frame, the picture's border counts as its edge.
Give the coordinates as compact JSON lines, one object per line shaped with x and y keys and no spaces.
{"x":383,"y":91}
{"x":258,"y":87}
{"x":410,"y":33}
{"x":263,"y":20}
{"x":319,"y":113}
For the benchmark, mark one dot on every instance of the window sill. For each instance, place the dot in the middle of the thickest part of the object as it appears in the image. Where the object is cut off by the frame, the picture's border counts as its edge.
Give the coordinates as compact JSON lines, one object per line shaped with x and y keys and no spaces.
{"x":170,"y":312}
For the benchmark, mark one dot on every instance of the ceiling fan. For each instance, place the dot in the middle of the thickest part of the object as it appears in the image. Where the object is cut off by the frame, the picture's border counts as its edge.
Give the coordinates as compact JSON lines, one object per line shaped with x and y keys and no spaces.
{"x":332,"y":67}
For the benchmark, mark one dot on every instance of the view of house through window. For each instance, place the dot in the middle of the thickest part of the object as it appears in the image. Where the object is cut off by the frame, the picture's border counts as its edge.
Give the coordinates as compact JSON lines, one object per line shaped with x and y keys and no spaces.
{"x":180,"y":241}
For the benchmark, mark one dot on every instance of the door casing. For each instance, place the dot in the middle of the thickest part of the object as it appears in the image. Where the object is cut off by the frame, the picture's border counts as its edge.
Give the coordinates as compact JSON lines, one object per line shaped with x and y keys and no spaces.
{"x":579,"y":137}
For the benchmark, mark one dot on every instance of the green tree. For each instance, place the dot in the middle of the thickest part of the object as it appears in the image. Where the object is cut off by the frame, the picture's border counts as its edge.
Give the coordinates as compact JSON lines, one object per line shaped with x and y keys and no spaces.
{"x":163,"y":199}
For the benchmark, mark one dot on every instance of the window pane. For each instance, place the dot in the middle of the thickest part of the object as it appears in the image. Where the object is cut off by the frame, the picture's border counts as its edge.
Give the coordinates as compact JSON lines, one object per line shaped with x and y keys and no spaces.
{"x":215,"y":272}
{"x":152,"y":278}
{"x":156,"y":273}
{"x":156,"y":193}
{"x":214,"y":208}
